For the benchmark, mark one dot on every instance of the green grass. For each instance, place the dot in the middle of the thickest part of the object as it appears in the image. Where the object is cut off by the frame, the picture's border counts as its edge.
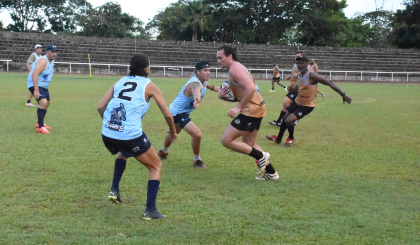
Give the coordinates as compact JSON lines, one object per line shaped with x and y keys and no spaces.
{"x":352,"y":176}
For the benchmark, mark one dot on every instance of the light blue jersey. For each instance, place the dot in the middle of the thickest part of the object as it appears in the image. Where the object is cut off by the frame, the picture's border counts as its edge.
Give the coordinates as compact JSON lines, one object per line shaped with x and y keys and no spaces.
{"x":44,"y":78}
{"x":184,"y":104}
{"x":123,"y":114}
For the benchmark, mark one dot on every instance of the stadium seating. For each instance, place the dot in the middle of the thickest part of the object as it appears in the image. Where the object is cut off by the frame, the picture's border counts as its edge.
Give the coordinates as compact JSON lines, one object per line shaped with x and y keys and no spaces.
{"x":18,"y":47}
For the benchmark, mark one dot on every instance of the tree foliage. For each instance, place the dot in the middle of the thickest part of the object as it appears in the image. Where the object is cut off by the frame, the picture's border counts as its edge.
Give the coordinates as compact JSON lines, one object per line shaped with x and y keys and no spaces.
{"x":321,"y":23}
{"x":196,"y":18}
{"x":172,"y":23}
{"x":406,"y":33}
{"x":316,"y":22}
{"x":62,"y":15}
{"x":24,"y":13}
{"x":380,"y":23}
{"x":106,"y":21}
{"x":301,"y":22}
{"x":72,"y":17}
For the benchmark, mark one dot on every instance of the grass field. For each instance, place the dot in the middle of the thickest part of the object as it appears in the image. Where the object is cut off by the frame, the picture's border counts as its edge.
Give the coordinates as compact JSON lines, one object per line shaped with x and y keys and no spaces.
{"x":352,"y":176}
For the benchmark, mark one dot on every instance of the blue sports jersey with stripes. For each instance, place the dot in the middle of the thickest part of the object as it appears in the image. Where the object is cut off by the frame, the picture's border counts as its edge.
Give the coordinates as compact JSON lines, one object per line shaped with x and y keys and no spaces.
{"x":123,"y":114}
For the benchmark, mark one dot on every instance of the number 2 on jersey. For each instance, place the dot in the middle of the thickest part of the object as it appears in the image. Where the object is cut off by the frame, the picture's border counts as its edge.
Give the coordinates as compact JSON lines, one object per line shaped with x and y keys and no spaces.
{"x":126,"y":90}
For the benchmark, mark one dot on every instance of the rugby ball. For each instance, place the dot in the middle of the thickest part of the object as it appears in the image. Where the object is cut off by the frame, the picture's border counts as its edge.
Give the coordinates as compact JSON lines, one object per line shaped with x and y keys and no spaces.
{"x":229,"y":96}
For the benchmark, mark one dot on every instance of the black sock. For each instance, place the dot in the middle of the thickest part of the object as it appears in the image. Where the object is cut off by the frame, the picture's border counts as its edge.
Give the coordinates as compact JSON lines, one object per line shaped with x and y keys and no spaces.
{"x":283,"y":128}
{"x":256,"y":154}
{"x":41,"y":115}
{"x":282,"y":113}
{"x":119,"y":169}
{"x":270,"y":169}
{"x":28,"y":101}
{"x":152,"y":190}
{"x":291,"y":132}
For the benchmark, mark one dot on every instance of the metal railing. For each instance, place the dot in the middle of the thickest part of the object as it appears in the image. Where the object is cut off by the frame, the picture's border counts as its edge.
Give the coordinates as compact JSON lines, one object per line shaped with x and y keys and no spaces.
{"x":345,"y":73}
{"x":7,"y":63}
{"x":266,"y":72}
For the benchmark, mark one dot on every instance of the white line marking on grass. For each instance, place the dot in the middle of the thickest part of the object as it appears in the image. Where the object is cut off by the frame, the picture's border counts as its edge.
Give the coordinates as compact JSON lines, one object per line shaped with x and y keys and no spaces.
{"x":365,"y":101}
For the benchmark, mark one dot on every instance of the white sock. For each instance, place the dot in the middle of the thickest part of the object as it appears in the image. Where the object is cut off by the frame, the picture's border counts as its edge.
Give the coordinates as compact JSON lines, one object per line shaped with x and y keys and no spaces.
{"x":197,"y":157}
{"x":165,"y":150}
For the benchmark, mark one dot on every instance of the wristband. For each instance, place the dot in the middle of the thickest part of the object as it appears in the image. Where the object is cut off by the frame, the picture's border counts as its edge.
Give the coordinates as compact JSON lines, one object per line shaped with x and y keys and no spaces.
{"x":172,"y":132}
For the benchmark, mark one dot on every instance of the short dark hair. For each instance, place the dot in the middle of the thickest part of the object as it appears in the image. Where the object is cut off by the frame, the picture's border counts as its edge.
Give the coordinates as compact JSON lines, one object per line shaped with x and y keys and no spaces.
{"x":228,"y":50}
{"x":299,"y":52}
{"x":302,"y":58}
{"x":138,"y":64}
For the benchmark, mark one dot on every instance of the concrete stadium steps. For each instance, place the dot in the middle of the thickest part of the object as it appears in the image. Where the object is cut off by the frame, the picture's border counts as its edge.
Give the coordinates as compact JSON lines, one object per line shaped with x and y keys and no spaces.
{"x":18,"y":47}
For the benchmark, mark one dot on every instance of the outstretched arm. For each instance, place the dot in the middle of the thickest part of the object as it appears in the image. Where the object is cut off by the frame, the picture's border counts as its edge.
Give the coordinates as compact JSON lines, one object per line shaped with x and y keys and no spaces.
{"x":196,"y":92}
{"x":317,"y":78}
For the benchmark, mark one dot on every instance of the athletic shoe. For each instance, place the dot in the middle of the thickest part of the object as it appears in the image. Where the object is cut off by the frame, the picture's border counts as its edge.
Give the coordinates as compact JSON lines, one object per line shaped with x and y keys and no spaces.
{"x":199,"y":164}
{"x":289,"y":142}
{"x":149,"y":215}
{"x":43,"y":130}
{"x":271,"y":90}
{"x":162,"y":154}
{"x":267,"y":176}
{"x":274,"y":123}
{"x":30,"y":104}
{"x":271,"y":137}
{"x":45,"y":125}
{"x":262,"y":163}
{"x":323,"y":95}
{"x":114,"y":197}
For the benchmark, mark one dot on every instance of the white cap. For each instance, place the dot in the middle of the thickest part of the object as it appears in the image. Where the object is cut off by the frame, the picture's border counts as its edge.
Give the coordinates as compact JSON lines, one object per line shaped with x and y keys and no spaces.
{"x":38,"y":46}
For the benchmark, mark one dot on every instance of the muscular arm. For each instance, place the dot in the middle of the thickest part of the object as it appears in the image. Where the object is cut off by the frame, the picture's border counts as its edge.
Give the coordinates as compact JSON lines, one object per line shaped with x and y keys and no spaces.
{"x":241,"y":76}
{"x":314,"y":77}
{"x":153,"y":91}
{"x":40,"y":66}
{"x":196,"y":92}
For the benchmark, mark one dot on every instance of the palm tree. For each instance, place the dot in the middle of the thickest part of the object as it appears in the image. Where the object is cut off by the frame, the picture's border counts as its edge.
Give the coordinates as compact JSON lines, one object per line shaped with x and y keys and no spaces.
{"x":196,"y":17}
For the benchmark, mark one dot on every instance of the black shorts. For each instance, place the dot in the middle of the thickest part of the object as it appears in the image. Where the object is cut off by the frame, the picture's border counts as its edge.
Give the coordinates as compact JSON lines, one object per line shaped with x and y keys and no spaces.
{"x":129,"y":148}
{"x":245,"y":123}
{"x":298,"y":110}
{"x":43,"y":93}
{"x":276,"y":79}
{"x":292,"y":95}
{"x":182,"y":119}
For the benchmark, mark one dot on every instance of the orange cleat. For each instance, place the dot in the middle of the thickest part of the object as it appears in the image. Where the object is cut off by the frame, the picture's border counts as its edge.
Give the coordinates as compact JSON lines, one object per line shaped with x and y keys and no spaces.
{"x":43,"y":130}
{"x":45,"y":125}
